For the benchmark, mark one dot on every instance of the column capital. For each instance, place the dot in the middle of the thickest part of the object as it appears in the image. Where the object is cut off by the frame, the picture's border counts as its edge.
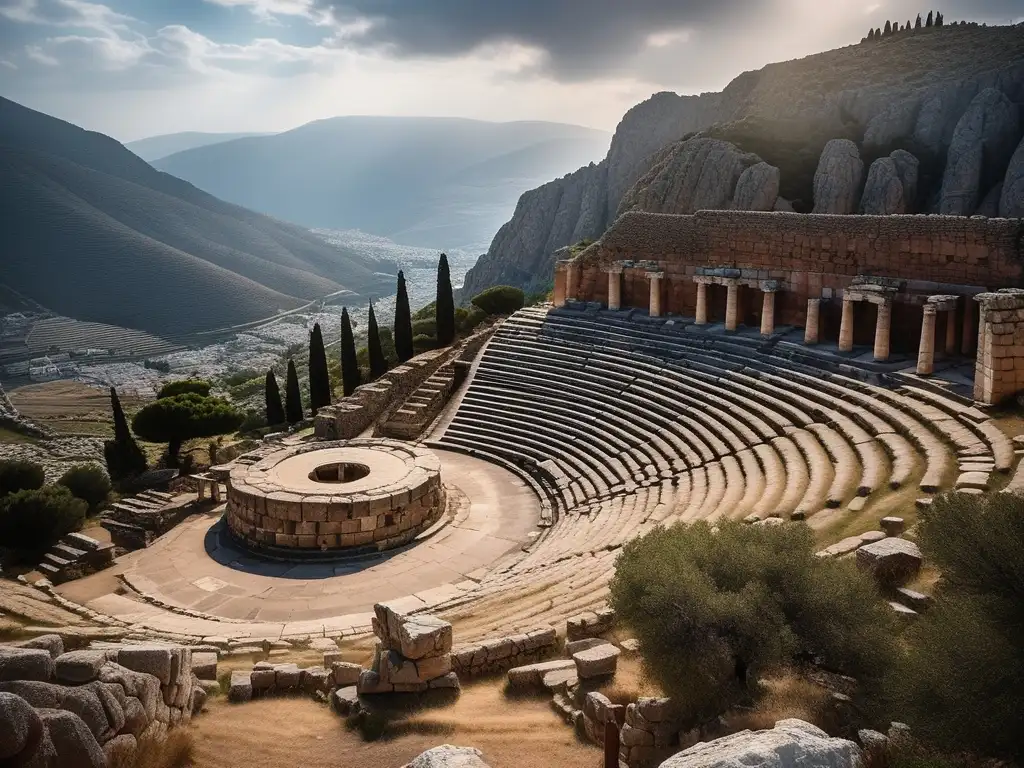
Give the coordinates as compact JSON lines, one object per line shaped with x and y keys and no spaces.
{"x":771,"y":286}
{"x":943,"y":303}
{"x":931,"y":309}
{"x":614,"y":269}
{"x":655,"y":275}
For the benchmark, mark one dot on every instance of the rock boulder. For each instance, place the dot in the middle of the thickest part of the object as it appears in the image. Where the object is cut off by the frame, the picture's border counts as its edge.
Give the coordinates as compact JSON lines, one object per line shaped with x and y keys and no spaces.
{"x":447,"y":756}
{"x":892,"y":561}
{"x":1011,"y":202}
{"x":790,"y":744}
{"x":25,"y":664}
{"x":883,"y":191}
{"x":757,"y":188}
{"x":837,"y":182}
{"x":20,"y":726}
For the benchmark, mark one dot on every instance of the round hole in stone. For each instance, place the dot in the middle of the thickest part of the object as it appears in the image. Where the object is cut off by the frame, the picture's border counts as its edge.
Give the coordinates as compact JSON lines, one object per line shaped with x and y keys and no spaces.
{"x":340,"y":472}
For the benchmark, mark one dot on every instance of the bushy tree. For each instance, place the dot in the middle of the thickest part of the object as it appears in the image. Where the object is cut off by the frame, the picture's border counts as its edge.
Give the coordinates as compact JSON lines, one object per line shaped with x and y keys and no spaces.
{"x":378,"y":363}
{"x":319,"y":378}
{"x":500,"y":300}
{"x":445,"y":303}
{"x":184,"y":387}
{"x":32,"y":521}
{"x":473,"y":318}
{"x":89,"y":483}
{"x":20,"y":475}
{"x":960,"y":679}
{"x":124,"y":457}
{"x":714,"y":609}
{"x":350,"y":374}
{"x":403,"y":322}
{"x":292,"y":396}
{"x":173,"y":420}
{"x":275,"y":408}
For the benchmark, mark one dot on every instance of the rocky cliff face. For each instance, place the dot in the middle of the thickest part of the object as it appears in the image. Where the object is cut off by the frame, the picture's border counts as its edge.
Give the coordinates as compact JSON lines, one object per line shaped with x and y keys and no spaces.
{"x":910,"y":92}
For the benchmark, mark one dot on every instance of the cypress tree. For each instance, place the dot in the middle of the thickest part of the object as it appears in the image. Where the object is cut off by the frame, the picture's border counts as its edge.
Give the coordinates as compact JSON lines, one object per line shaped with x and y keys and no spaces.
{"x":888,"y":29}
{"x":929,"y":22}
{"x":275,"y":409}
{"x":403,"y":322}
{"x":445,"y":304}
{"x":939,"y":19}
{"x":319,"y":378}
{"x":292,"y":396}
{"x":878,"y":33}
{"x":378,"y":363}
{"x":917,"y":24}
{"x":871,"y":35}
{"x":350,"y":375}
{"x":907,"y":28}
{"x":123,"y":456}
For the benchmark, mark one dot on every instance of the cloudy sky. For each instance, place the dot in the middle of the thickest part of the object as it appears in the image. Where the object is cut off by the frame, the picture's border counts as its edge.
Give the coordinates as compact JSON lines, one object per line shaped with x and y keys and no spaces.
{"x":136,"y":68}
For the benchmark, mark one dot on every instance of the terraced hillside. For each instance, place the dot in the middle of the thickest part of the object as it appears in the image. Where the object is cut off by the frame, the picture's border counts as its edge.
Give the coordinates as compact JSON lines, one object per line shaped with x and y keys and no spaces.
{"x":622,"y":427}
{"x":94,"y":233}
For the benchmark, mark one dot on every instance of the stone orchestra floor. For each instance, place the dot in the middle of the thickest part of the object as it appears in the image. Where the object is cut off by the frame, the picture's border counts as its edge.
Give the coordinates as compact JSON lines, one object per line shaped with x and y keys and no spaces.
{"x":193,"y":567}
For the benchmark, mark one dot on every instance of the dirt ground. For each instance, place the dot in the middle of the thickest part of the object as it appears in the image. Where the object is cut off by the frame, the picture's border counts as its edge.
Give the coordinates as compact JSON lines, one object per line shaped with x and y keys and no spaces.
{"x":70,"y":407}
{"x":282,"y":733}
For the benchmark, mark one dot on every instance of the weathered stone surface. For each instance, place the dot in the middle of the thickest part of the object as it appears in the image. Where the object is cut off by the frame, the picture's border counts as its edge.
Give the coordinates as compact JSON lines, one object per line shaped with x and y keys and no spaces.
{"x":532,"y":675}
{"x":241,"y":686}
{"x":989,"y":205}
{"x":448,"y":756}
{"x":262,"y":679}
{"x":423,"y":635}
{"x":150,"y":660}
{"x":982,"y":144}
{"x":198,"y":700}
{"x":1011,"y":201}
{"x":837,"y":181}
{"x":344,"y":699}
{"x":895,"y":122}
{"x":690,"y":175}
{"x":72,"y":740}
{"x":344,"y":673}
{"x":449,"y":682}
{"x":79,"y":667}
{"x":85,"y":702}
{"x":790,"y":744}
{"x":135,"y":720}
{"x":598,"y":661}
{"x":581,"y":645}
{"x":25,"y":664}
{"x":757,"y":188}
{"x":893,"y":561}
{"x":20,"y":726}
{"x":37,"y":693}
{"x":883,"y":190}
{"x":52,"y":643}
{"x":120,"y":752}
{"x":287,"y":676}
{"x":893,"y":526}
{"x":204,"y":665}
{"x":316,"y":679}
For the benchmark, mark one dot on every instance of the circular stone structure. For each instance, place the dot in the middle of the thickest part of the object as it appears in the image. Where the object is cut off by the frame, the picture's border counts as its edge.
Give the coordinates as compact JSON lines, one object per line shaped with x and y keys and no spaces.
{"x":364,"y":494}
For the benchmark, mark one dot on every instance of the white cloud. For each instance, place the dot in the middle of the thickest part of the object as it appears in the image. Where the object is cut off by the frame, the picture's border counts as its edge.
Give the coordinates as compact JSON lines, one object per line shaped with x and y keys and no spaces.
{"x":269,"y":10}
{"x":664,"y":39}
{"x":35,"y":53}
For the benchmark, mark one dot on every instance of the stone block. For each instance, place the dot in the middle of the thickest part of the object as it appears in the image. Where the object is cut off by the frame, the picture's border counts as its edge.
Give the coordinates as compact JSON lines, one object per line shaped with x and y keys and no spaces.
{"x":204,"y":665}
{"x":77,"y":667}
{"x":581,"y":645}
{"x":344,"y":673}
{"x":150,"y":660}
{"x":532,"y":675}
{"x":26,"y":664}
{"x":371,"y":683}
{"x":287,"y":677}
{"x":599,"y":661}
{"x":74,"y":744}
{"x":434,"y":666}
{"x":449,"y":681}
{"x":344,"y":700}
{"x":241,"y":686}
{"x":20,"y":726}
{"x":892,"y":561}
{"x":316,"y":679}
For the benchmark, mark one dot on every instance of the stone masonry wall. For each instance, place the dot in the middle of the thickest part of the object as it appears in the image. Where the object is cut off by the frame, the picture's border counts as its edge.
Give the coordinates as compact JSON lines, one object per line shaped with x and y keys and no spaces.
{"x":811,"y":255}
{"x":502,"y":653}
{"x":999,"y":368}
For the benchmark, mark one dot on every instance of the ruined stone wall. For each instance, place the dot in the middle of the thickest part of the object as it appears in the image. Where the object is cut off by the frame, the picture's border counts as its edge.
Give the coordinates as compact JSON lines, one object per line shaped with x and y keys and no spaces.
{"x":999,"y":368}
{"x":811,"y":255}
{"x":502,"y":653}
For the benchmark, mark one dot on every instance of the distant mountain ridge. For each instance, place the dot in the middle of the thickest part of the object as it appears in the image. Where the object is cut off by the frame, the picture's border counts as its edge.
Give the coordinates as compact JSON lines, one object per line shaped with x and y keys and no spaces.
{"x":157,"y":147}
{"x":95,"y":233}
{"x":433,"y":182}
{"x":906,"y":92}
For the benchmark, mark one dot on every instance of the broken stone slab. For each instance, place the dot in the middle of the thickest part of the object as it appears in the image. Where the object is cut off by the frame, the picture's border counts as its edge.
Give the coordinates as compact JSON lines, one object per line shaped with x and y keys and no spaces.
{"x":599,"y":661}
{"x":344,"y":673}
{"x":445,"y":682}
{"x":918,"y":601}
{"x":977,"y":481}
{"x":589,"y":624}
{"x":559,"y":679}
{"x":240,"y":689}
{"x":582,"y":645}
{"x":902,"y":611}
{"x":204,"y":665}
{"x":892,"y":561}
{"x":52,"y":643}
{"x":344,"y":700}
{"x":323,"y":644}
{"x":532,"y":675}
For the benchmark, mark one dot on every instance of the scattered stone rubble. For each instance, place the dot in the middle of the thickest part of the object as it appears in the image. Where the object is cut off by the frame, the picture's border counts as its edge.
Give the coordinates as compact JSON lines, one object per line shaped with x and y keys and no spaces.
{"x":91,"y":708}
{"x":414,"y":654}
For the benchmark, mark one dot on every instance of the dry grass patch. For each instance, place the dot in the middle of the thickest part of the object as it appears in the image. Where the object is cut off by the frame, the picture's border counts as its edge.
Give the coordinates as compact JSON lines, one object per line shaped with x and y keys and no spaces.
{"x":177,"y":750}
{"x":787,"y":695}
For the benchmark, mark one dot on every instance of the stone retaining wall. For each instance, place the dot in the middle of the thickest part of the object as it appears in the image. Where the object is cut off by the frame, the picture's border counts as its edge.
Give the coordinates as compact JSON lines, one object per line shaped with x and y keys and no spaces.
{"x":503,"y":653}
{"x":999,"y":372}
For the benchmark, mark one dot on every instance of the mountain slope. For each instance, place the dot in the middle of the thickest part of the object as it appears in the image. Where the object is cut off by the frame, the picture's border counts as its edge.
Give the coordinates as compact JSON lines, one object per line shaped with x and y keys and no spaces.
{"x":442,"y":182}
{"x":907,"y":91}
{"x":156,"y":147}
{"x":95,"y":233}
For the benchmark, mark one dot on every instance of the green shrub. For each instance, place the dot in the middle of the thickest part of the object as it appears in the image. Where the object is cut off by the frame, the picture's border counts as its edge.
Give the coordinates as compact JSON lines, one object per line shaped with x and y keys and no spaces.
{"x":474,"y":317}
{"x":89,"y":483}
{"x":184,"y":387}
{"x":424,"y":328}
{"x":429,"y":312}
{"x":959,"y":682}
{"x":423,"y":343}
{"x":20,"y":475}
{"x":714,"y":609}
{"x":500,"y":300}
{"x":32,"y":521}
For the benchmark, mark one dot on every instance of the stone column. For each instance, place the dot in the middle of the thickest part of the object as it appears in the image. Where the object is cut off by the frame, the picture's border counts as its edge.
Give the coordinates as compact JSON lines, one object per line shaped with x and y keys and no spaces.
{"x":926,"y":351}
{"x":655,"y":308}
{"x":558,"y":297}
{"x":768,"y":313}
{"x":882,"y":326}
{"x":615,"y":288}
{"x":813,"y":321}
{"x":732,"y":306}
{"x":702,"y":303}
{"x":571,"y":281}
{"x":846,"y":326}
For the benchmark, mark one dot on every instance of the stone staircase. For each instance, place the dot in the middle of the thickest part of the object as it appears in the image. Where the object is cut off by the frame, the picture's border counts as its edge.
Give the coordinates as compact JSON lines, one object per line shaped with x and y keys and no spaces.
{"x":134,"y":522}
{"x":74,"y":556}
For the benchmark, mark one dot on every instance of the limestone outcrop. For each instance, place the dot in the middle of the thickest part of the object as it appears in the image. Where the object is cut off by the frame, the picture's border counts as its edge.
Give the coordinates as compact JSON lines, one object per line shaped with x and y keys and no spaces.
{"x":837,"y":182}
{"x":790,"y":744}
{"x":448,"y":756}
{"x":891,"y":186}
{"x":1011,"y":201}
{"x":757,"y":188}
{"x":982,"y":145}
